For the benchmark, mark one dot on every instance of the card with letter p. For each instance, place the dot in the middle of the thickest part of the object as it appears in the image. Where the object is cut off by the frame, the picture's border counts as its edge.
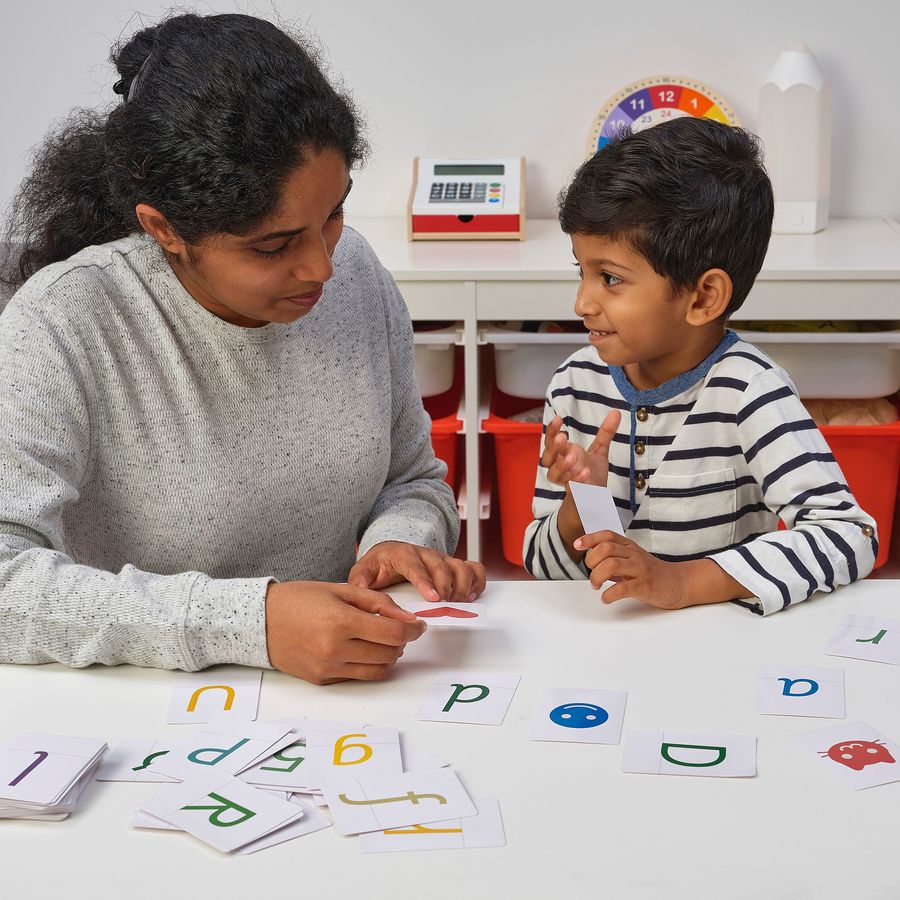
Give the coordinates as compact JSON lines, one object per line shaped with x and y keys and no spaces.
{"x":477,"y":698}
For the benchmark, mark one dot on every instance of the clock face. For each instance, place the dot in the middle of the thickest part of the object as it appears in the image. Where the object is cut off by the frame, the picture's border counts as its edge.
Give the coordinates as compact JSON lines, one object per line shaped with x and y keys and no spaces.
{"x":652,"y":100}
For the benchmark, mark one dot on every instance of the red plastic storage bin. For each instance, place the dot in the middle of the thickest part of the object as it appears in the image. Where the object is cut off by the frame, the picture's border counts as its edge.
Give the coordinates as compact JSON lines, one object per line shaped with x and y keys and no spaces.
{"x":869,"y":456}
{"x":446,"y":426}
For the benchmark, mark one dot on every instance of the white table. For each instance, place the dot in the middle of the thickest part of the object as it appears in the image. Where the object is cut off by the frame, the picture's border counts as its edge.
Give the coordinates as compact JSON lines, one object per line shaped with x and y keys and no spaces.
{"x":851,"y":270}
{"x":575,"y":825}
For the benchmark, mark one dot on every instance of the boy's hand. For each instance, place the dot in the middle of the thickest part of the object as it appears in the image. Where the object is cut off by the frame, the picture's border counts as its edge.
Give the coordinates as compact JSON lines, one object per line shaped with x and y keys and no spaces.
{"x":566,"y":461}
{"x":639,"y":574}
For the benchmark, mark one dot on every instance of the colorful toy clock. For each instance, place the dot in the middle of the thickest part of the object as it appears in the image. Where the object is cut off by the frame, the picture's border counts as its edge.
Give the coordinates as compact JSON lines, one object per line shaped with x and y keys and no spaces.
{"x":651,"y":100}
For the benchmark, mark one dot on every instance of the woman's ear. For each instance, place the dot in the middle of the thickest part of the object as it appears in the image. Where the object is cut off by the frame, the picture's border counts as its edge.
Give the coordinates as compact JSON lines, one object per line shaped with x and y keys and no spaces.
{"x":158,"y":227}
{"x":710,"y":297}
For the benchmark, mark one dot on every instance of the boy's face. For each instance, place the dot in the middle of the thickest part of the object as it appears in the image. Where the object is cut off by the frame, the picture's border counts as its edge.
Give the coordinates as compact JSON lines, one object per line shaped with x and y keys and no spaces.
{"x":631,"y":312}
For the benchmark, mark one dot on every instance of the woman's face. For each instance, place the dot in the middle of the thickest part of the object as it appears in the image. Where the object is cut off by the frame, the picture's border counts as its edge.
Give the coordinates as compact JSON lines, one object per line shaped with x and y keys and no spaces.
{"x":277,"y":271}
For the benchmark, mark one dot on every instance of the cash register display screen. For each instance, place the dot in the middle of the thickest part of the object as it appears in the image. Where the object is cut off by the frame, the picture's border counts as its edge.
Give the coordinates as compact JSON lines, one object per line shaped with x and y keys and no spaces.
{"x":469,"y":169}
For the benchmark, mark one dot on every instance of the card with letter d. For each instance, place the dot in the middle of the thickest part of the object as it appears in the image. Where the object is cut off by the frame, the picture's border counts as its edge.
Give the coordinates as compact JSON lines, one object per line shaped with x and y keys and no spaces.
{"x":478,"y":698}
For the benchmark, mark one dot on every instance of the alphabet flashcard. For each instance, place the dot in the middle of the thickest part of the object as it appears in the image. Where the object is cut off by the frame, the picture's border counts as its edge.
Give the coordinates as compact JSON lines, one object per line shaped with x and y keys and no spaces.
{"x":482,"y":830}
{"x":449,"y":615}
{"x":579,"y":716}
{"x":867,"y":637}
{"x":132,"y":760}
{"x":286,"y":769}
{"x":198,"y":696}
{"x":42,"y":775}
{"x":854,"y":752}
{"x":689,"y":753}
{"x":476,"y":698}
{"x":220,"y":810}
{"x":378,"y":802}
{"x":231,"y":747}
{"x":363,"y":751}
{"x":800,"y":691}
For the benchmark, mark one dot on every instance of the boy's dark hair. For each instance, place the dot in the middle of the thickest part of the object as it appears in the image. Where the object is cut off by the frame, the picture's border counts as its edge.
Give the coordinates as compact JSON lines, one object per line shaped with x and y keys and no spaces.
{"x":215,"y":112}
{"x":689,"y":194}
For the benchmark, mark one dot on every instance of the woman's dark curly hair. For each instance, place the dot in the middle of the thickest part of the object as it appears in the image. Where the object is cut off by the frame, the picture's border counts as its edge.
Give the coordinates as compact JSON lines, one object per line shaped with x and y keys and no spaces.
{"x":217,"y":111}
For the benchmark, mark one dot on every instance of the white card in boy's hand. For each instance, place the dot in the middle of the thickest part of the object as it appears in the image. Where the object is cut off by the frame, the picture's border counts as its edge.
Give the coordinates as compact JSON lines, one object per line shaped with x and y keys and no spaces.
{"x":596,"y":508}
{"x":448,"y":615}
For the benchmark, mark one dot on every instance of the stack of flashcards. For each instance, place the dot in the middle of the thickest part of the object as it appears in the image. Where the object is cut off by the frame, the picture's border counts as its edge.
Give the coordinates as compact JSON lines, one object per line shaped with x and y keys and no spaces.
{"x":42,"y":775}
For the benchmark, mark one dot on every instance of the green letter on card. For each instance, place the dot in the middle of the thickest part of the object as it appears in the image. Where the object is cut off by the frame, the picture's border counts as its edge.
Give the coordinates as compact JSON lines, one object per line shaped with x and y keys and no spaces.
{"x":193,"y":756}
{"x":293,"y":760}
{"x":872,"y":640}
{"x":458,"y":689}
{"x":149,"y":759}
{"x":720,"y":757}
{"x":223,"y":807}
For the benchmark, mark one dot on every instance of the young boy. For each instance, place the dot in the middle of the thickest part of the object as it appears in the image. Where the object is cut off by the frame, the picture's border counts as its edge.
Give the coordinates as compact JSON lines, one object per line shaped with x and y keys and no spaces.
{"x":699,"y":436}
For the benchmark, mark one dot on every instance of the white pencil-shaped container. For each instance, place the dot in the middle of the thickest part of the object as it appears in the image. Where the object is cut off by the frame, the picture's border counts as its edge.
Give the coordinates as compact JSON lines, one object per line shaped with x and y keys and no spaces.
{"x":795,"y":127}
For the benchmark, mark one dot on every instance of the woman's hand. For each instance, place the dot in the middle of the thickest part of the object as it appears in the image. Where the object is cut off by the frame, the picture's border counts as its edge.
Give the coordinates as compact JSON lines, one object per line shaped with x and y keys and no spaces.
{"x":325,"y":633}
{"x":435,"y":575}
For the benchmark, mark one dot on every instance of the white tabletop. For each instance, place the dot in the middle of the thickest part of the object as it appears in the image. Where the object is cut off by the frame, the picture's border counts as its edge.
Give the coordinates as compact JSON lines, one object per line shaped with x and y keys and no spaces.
{"x":848,"y":249}
{"x":576,"y":826}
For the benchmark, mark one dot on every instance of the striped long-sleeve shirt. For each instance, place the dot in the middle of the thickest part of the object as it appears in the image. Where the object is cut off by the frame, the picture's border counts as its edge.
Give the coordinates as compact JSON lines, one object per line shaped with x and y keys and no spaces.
{"x":704,"y":466}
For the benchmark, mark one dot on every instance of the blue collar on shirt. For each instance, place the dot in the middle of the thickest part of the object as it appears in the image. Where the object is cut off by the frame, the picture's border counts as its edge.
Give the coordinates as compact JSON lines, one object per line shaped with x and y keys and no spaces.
{"x":665,"y":391}
{"x":674,"y":386}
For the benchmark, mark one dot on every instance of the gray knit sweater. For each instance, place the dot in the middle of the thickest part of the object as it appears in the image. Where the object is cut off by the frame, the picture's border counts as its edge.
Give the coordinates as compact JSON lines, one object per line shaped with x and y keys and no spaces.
{"x":159,"y":466}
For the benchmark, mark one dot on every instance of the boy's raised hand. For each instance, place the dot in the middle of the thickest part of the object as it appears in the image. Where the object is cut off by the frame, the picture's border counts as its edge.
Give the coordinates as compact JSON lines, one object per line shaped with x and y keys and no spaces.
{"x":566,"y":461}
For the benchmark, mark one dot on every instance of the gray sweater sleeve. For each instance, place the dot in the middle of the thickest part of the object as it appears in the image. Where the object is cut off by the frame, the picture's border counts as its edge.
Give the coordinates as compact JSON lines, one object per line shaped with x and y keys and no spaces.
{"x":415,"y":505}
{"x":53,"y":609}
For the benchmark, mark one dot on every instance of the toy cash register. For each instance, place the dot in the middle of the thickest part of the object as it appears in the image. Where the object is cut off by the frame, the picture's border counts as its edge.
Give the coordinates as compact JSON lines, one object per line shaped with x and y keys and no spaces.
{"x":454,"y":199}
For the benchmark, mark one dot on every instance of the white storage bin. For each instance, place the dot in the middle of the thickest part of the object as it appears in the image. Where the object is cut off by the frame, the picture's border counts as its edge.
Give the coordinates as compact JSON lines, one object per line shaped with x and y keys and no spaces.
{"x":435,"y":359}
{"x":834,"y":365}
{"x":524,"y":361}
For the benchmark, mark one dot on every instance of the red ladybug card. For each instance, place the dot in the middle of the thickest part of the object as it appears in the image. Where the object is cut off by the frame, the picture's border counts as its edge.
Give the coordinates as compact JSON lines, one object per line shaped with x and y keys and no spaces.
{"x":854,"y":752}
{"x":448,"y":615}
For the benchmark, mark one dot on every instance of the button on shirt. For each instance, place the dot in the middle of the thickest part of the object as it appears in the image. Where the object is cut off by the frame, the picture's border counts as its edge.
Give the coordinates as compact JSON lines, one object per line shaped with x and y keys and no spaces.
{"x":704,"y":466}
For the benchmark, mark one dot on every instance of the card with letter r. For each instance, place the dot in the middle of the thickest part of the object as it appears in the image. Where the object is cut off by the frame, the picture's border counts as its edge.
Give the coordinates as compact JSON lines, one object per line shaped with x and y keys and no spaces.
{"x":800,"y":691}
{"x":476,"y":698}
{"x":199,"y":696}
{"x":220,"y":810}
{"x":378,"y":802}
{"x":867,"y":637}
{"x":689,"y":753}
{"x":579,"y":716}
{"x":854,"y":752}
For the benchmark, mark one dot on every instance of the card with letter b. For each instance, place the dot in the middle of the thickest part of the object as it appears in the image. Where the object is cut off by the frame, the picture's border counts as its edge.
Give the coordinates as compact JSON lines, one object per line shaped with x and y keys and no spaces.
{"x":689,"y":753}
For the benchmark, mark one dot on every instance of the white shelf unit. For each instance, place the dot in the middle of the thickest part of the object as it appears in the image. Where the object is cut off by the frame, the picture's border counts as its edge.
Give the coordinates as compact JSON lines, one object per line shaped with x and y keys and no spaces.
{"x":851,"y":270}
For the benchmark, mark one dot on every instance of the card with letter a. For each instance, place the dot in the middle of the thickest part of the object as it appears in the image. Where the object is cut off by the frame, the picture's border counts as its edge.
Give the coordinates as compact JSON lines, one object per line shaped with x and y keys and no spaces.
{"x":378,"y":802}
{"x":482,"y":830}
{"x":200,"y":696}
{"x":800,"y":691}
{"x":689,"y":753}
{"x":867,"y":637}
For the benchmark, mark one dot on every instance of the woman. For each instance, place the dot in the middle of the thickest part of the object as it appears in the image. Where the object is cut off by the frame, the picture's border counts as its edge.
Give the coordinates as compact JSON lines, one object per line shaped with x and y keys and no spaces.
{"x":206,"y":387}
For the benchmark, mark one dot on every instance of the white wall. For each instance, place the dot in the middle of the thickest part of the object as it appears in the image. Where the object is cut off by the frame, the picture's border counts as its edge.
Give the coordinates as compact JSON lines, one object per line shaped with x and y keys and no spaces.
{"x":495,"y":77}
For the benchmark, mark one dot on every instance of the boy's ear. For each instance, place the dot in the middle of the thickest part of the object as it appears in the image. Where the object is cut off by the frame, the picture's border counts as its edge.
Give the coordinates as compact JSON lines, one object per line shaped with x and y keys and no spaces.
{"x":158,"y":227}
{"x":710,"y":297}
